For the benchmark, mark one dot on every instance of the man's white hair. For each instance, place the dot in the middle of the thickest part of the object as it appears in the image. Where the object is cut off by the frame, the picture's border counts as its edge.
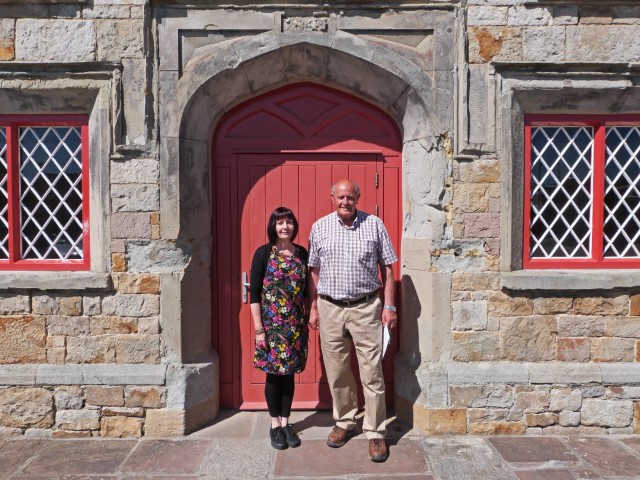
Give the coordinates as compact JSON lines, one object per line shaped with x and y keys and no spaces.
{"x":356,"y":187}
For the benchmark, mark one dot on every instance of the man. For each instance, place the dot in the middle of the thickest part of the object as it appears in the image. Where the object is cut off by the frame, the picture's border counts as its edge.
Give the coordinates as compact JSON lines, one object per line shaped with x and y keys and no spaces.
{"x":346,"y":249}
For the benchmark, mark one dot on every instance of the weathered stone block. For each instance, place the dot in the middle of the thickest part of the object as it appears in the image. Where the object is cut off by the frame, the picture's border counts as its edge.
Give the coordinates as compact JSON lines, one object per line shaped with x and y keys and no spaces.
{"x":164,"y":423}
{"x":475,"y":281}
{"x":607,"y":413}
{"x":137,"y":283}
{"x":481,"y":396}
{"x":475,"y":346}
{"x":540,"y":419}
{"x":469,"y":315}
{"x":488,"y":44}
{"x":95,"y":349}
{"x":565,"y":399}
{"x":71,"y":434}
{"x":68,"y":398}
{"x":56,"y":305}
{"x":66,"y":41}
{"x":487,"y":414}
{"x":593,"y":392}
{"x":565,"y":15}
{"x":68,"y":326}
{"x":566,"y":373}
{"x":131,"y":305}
{"x":503,"y":305}
{"x":497,"y":428}
{"x":532,"y":402}
{"x":596,"y":15}
{"x":601,"y":305}
{"x":119,"y":38}
{"x":106,"y":11}
{"x":636,"y":417}
{"x":22,"y":340}
{"x":14,"y":304}
{"x":138,"y":349}
{"x":130,"y":225}
{"x":118,"y":262}
{"x":552,"y":306}
{"x":148,"y":325}
{"x":123,"y":412}
{"x":479,"y":171}
{"x":157,"y":257}
{"x":573,"y":326}
{"x":628,"y":327}
{"x":623,"y":392}
{"x":471,"y":198}
{"x":26,"y":407}
{"x":121,"y":427}
{"x":543,"y":44}
{"x":145,"y":397}
{"x":482,"y":225}
{"x":530,"y":338}
{"x":574,"y":349}
{"x":113,"y":325}
{"x":629,"y":15}
{"x":487,"y":15}
{"x":7,"y":39}
{"x":569,"y":419}
{"x":600,"y":43}
{"x":612,"y":350}
{"x":440,"y":421}
{"x":91,"y":305}
{"x":112,"y":396}
{"x":78,"y":419}
{"x":135,"y":198}
{"x":527,"y":16}
{"x":135,"y":171}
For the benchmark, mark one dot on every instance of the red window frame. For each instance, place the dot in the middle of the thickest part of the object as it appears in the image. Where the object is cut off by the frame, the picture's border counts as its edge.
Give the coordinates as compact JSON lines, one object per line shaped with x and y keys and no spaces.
{"x":12,"y":125}
{"x":599,"y":123}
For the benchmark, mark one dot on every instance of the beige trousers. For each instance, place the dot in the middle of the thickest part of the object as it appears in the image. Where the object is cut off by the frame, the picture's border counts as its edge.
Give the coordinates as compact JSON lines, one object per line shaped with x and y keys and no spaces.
{"x":361,"y":325}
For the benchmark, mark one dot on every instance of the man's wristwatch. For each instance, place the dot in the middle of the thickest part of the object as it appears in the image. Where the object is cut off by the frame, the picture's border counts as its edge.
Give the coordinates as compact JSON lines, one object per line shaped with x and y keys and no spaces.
{"x":390,"y":307}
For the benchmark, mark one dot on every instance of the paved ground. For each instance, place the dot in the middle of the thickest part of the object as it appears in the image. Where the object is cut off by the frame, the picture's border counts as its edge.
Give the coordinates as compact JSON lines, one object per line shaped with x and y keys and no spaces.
{"x":236,"y":447}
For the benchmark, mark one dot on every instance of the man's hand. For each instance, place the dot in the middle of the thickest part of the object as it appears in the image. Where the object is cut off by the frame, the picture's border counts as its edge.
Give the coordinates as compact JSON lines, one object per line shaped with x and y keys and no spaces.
{"x":389,"y":318}
{"x":314,"y":318}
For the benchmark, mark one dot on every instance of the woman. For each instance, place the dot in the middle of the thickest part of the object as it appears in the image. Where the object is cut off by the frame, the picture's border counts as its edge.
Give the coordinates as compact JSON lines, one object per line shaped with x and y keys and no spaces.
{"x":278,"y":281}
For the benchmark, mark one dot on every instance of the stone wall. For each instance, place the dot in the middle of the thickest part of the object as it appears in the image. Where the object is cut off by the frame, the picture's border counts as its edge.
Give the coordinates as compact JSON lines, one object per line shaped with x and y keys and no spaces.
{"x":124,"y":349}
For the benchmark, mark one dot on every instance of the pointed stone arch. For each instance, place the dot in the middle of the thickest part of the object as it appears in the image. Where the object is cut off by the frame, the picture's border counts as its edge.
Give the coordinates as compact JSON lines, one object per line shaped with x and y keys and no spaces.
{"x":221,"y":76}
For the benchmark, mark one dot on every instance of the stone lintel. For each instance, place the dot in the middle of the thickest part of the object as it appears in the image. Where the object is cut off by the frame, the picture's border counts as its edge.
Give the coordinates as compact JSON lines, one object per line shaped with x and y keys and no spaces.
{"x":488,"y":372}
{"x":550,"y":280}
{"x":55,"y":281}
{"x":18,"y":374}
{"x":620,"y":373}
{"x":101,"y":374}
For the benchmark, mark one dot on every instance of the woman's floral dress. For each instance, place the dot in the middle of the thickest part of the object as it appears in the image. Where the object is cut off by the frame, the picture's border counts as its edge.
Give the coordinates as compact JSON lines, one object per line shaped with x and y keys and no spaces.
{"x":283,"y":315}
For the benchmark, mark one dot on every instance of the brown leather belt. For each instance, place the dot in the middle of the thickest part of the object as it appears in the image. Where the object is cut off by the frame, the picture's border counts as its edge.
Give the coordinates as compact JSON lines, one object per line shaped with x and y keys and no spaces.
{"x":349,"y":303}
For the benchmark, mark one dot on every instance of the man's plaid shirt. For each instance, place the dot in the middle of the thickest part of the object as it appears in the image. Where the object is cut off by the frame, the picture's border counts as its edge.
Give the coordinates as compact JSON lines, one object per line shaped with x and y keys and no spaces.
{"x":349,"y":257}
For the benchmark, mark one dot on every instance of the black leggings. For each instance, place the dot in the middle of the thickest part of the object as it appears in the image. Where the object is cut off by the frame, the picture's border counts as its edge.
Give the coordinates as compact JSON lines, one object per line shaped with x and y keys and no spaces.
{"x":278,"y":390}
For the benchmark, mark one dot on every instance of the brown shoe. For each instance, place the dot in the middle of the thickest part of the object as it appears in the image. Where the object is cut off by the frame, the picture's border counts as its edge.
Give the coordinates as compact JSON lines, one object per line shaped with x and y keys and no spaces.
{"x":338,"y":437}
{"x":378,"y":451}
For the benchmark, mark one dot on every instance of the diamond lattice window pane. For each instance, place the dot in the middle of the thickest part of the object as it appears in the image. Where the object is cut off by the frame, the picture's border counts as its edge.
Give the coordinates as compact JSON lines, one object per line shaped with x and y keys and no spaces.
{"x":622,"y":193}
{"x":51,"y":192}
{"x":561,"y":192}
{"x":4,"y":197}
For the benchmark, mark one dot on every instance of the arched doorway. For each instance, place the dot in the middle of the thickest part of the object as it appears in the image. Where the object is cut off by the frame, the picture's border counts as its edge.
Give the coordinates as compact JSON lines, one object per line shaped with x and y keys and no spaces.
{"x":287,"y":147}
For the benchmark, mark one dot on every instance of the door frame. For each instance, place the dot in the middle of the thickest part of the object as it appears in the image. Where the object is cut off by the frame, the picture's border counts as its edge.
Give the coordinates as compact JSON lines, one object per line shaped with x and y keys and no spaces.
{"x":225,"y":152}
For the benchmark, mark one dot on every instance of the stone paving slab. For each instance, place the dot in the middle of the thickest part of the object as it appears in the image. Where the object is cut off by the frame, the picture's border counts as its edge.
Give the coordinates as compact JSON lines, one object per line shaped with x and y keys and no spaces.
{"x":237,"y":447}
{"x":315,"y":459}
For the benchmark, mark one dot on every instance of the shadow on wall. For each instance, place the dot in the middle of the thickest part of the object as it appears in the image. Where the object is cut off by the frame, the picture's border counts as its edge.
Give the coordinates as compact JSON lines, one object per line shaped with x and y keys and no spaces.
{"x":408,"y":359}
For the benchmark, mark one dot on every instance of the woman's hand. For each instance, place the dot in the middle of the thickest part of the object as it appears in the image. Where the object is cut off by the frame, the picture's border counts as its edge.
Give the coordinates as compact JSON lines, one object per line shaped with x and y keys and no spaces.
{"x":261,"y":340}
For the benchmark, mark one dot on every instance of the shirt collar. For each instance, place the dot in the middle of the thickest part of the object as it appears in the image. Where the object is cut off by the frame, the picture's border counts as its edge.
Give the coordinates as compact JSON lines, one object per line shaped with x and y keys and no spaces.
{"x":356,"y":220}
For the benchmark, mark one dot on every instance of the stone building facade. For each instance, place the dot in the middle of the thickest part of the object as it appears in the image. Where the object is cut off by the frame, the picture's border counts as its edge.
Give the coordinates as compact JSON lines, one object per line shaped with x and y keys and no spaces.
{"x":491,"y":340}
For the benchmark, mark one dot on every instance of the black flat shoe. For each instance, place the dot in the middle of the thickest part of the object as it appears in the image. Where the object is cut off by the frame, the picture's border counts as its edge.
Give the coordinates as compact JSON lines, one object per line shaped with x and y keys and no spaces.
{"x":278,"y":440}
{"x":292,"y":438}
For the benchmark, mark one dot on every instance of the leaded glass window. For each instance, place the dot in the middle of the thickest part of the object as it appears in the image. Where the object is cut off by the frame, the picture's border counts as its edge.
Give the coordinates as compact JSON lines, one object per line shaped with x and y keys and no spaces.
{"x":43,"y":193}
{"x":582,"y":192}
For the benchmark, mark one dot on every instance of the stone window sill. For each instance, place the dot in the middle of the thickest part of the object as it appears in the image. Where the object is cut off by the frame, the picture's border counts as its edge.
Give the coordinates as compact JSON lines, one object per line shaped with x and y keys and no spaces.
{"x":54,"y":280}
{"x":549,"y":280}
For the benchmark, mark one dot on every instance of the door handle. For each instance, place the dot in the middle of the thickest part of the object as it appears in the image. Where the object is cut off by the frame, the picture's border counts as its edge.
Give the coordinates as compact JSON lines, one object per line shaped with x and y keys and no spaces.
{"x":245,"y":287}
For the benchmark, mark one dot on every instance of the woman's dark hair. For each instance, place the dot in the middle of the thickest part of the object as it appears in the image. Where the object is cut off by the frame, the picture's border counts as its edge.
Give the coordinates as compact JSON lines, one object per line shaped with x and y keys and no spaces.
{"x":278,"y":214}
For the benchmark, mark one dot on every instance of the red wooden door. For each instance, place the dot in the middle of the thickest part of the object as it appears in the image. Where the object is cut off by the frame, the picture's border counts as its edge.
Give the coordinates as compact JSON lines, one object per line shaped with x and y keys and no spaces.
{"x":255,"y":173}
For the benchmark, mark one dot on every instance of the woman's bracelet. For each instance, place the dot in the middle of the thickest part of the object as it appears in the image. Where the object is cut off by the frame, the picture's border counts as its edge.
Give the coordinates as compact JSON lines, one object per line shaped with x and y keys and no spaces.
{"x":259,"y":331}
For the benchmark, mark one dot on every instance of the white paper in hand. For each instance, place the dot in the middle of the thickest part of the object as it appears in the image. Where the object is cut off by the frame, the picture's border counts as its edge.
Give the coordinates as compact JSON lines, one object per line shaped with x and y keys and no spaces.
{"x":386,"y":339}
